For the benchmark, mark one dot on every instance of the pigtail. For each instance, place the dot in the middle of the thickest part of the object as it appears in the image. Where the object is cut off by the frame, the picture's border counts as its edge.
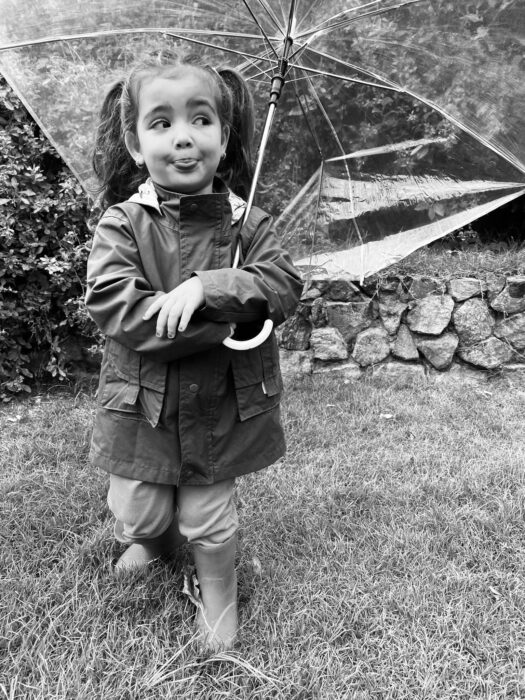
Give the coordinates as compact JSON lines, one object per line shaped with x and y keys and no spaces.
{"x":237,"y":167}
{"x":116,"y":171}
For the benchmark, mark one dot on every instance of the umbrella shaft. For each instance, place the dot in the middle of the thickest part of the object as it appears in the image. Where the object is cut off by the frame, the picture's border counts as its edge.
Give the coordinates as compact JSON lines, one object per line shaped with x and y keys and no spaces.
{"x":260,"y":156}
{"x":277,"y":84}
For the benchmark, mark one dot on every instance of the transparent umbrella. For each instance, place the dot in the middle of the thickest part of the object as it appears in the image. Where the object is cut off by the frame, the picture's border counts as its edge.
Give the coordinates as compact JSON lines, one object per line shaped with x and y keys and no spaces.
{"x":391,"y":122}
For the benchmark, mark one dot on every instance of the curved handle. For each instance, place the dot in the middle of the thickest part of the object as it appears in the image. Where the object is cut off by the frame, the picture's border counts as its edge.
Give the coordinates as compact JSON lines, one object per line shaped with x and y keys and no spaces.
{"x":252,"y":342}
{"x":267,"y":326}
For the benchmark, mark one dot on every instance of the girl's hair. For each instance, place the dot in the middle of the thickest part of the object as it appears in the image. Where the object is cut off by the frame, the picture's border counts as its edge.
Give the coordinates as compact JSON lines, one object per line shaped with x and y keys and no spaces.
{"x":116,"y":170}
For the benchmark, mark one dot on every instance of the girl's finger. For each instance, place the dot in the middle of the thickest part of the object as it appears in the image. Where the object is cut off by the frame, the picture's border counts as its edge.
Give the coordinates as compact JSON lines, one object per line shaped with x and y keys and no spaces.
{"x":152,"y":310}
{"x":173,"y":318}
{"x":185,"y":318}
{"x":162,"y":319}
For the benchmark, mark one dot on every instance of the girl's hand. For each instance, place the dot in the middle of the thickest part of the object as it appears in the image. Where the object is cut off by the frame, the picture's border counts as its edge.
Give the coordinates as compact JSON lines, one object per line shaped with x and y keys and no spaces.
{"x":176,"y":308}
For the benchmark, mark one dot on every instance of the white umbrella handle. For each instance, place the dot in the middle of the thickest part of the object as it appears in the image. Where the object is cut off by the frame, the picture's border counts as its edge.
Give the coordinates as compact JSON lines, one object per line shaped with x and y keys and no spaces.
{"x":261,"y":335}
{"x":251,"y":342}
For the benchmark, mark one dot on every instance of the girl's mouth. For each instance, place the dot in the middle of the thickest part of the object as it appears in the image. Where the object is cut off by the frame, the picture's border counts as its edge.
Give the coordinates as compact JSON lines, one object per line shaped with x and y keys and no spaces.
{"x":185,"y":163}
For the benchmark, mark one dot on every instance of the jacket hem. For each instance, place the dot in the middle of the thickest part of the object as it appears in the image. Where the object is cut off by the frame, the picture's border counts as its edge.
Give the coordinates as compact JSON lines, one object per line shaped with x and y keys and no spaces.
{"x":166,"y":475}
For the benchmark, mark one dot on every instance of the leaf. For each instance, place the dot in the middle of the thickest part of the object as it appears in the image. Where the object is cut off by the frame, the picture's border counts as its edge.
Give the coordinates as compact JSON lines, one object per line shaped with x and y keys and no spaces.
{"x":257,"y":566}
{"x":191,"y":588}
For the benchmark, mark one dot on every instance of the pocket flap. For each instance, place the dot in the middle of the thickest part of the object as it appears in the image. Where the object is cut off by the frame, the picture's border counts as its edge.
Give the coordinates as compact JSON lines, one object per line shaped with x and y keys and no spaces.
{"x":272,"y":385}
{"x":247,"y":367}
{"x":125,"y":362}
{"x":257,"y":379}
{"x":133,"y":386}
{"x":252,"y":400}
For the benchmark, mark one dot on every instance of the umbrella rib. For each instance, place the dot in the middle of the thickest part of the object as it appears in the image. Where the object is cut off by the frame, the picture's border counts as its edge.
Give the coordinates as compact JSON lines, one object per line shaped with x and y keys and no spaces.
{"x":348,"y":79}
{"x":338,"y":14}
{"x":383,"y":82}
{"x":260,"y":71}
{"x":320,"y":29}
{"x":314,"y":33}
{"x":180,"y":33}
{"x":261,"y":28}
{"x":309,"y":12}
{"x":270,"y":14}
{"x":244,"y":54}
{"x":388,"y":85}
{"x":503,"y":153}
{"x":323,"y":111}
{"x":307,"y":120}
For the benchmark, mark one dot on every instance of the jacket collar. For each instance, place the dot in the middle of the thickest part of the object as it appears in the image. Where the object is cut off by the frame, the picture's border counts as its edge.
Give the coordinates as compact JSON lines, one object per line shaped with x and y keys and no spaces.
{"x":148,"y":197}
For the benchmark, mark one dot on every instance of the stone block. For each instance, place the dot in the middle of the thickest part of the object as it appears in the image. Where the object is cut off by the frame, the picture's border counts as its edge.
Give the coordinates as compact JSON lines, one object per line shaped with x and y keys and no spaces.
{"x":420,"y":287}
{"x":456,"y":375}
{"x":400,"y":372}
{"x":343,"y":289}
{"x":328,"y":344}
{"x":439,"y":351}
{"x":295,"y":333}
{"x":491,"y":353}
{"x":472,"y":321}
{"x":462,"y":288}
{"x":516,"y":286}
{"x":512,"y":329}
{"x":318,"y":313}
{"x":371,"y":346}
{"x":495,"y":284}
{"x":404,"y":346}
{"x":430,"y":315}
{"x":508,"y":300}
{"x":390,"y":309}
{"x":349,"y":317}
{"x":295,"y":363}
{"x":349,"y":370}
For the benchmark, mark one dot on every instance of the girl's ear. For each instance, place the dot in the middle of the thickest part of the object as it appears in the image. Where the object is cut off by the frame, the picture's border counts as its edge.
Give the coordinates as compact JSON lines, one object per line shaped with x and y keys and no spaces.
{"x":133,"y":146}
{"x":225,"y":137}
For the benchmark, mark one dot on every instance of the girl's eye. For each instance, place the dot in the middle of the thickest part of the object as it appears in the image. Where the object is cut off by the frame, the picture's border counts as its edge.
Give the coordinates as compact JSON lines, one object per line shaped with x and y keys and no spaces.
{"x":160,"y":124}
{"x":201,"y":121}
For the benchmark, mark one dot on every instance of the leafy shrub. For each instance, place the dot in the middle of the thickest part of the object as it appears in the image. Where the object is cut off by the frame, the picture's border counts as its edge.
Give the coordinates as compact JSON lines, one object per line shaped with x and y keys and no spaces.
{"x":44,"y":243}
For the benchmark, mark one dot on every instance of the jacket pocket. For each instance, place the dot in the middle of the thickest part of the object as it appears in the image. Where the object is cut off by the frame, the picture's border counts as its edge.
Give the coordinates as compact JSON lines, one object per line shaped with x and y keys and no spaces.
{"x":131,"y":385}
{"x":257,"y":379}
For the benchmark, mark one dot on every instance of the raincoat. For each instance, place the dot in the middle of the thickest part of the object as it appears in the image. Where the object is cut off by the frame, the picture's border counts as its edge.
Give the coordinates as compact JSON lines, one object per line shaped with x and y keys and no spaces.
{"x":187,"y":410}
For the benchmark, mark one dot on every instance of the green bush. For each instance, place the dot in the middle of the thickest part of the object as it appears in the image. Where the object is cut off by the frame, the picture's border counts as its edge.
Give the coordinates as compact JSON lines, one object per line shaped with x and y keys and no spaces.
{"x":44,"y":242}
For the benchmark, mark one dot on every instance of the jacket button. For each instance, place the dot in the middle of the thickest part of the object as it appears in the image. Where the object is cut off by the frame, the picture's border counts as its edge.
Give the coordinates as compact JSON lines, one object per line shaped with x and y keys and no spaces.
{"x":194,"y":388}
{"x":193,"y":207}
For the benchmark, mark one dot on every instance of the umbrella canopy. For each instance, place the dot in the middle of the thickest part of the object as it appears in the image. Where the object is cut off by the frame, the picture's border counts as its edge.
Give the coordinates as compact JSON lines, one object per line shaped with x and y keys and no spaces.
{"x":399,"y":120}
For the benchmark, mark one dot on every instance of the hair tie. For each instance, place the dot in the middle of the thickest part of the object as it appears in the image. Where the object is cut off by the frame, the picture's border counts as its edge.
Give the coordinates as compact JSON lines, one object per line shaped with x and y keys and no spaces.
{"x":214,"y":70}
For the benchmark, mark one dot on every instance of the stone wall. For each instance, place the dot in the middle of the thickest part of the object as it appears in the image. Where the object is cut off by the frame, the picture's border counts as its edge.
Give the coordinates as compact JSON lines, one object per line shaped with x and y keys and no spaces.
{"x":406,"y":326}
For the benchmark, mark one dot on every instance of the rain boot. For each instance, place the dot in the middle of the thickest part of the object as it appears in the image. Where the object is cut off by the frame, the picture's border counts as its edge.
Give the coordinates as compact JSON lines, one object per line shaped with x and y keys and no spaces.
{"x":217,"y":618}
{"x":142,"y":552}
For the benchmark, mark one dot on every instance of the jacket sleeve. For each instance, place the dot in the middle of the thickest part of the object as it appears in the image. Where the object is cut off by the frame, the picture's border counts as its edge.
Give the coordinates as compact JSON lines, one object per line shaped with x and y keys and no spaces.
{"x":118,"y":295}
{"x":266,"y":286}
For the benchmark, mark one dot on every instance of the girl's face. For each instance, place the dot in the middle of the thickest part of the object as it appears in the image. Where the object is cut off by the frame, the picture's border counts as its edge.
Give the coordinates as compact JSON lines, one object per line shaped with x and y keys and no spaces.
{"x":179,"y":135}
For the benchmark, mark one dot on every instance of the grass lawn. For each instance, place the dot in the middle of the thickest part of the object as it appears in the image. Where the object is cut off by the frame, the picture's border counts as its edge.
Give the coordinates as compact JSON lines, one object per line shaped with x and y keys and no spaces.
{"x":476,"y":261}
{"x":383,"y":558}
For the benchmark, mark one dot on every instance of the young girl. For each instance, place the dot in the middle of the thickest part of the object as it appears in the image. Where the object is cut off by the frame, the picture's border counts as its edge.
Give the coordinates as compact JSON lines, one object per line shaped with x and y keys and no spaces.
{"x":180,"y":415}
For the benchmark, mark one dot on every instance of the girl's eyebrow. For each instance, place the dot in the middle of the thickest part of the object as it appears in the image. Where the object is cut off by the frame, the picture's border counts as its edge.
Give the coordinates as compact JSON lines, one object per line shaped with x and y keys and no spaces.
{"x":193,"y":103}
{"x":202,"y":102}
{"x":158,"y":109}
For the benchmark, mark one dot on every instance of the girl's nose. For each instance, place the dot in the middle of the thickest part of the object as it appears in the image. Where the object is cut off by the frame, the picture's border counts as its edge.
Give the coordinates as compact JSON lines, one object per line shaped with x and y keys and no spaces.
{"x":181,"y":139}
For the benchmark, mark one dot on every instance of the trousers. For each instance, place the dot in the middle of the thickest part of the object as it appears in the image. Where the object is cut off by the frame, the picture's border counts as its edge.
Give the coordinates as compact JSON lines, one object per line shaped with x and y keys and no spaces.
{"x":143,"y":510}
